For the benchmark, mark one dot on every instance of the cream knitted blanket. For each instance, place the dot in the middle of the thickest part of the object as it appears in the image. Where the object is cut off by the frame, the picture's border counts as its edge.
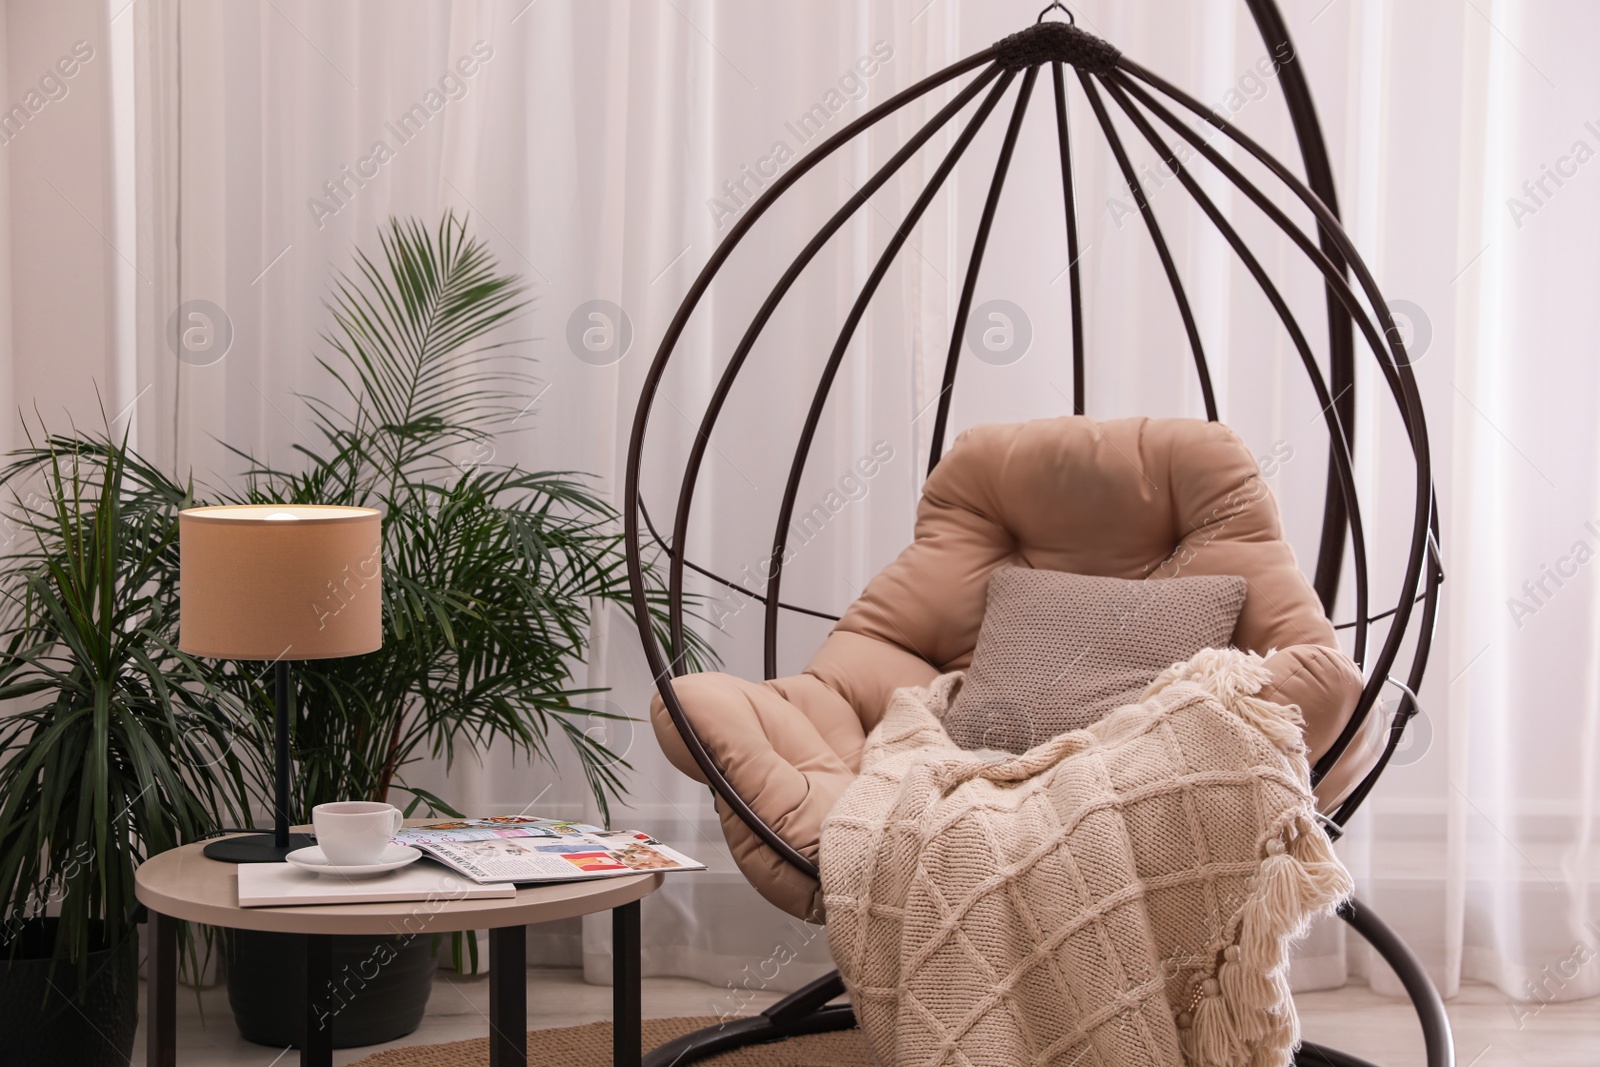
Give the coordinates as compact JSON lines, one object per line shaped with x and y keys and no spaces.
{"x":1117,"y":896}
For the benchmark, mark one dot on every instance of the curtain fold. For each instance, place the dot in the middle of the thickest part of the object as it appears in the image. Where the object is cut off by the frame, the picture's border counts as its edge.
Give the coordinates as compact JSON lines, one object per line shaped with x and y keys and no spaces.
{"x":6,"y":285}
{"x":604,"y":149}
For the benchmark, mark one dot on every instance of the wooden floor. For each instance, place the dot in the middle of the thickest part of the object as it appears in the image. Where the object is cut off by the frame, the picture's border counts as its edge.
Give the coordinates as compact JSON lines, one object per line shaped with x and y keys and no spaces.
{"x":1352,"y":1019}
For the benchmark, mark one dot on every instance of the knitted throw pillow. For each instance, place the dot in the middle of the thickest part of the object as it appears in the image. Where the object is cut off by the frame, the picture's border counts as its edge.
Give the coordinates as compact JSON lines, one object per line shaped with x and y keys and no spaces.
{"x":1059,"y":651}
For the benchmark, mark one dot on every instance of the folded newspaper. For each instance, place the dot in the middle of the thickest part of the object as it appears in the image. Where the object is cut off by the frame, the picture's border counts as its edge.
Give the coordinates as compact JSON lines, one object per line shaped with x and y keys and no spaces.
{"x":523,"y":848}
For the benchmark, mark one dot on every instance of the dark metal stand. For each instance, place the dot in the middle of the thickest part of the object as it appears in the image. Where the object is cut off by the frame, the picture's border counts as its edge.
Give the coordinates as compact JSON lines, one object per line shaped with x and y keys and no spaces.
{"x":508,"y":996}
{"x":161,"y":1024}
{"x":1436,"y":1037}
{"x":808,"y":1011}
{"x":161,"y":1039}
{"x":508,"y":992}
{"x":627,"y":996}
{"x":805,"y":1011}
{"x":317,"y":1048}
{"x":270,"y":848}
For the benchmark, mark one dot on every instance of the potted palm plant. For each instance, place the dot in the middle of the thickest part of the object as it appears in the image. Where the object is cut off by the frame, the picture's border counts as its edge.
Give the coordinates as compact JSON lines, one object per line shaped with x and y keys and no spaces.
{"x":490,"y":574}
{"x":120,"y":748}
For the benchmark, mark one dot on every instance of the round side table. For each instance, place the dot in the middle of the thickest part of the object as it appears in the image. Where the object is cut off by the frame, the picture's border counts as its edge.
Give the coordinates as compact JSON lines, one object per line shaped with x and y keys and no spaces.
{"x":185,"y":884}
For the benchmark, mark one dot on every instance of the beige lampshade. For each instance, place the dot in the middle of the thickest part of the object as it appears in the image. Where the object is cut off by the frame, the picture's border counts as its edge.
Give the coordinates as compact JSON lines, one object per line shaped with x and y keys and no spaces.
{"x":270,"y":581}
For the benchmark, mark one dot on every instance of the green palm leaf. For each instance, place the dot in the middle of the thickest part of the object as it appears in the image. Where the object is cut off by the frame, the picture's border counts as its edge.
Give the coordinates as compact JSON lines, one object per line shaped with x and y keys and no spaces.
{"x":490,"y":573}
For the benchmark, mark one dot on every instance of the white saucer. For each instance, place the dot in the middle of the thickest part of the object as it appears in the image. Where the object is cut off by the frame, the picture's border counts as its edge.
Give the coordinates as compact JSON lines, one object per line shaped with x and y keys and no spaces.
{"x":394,"y":857}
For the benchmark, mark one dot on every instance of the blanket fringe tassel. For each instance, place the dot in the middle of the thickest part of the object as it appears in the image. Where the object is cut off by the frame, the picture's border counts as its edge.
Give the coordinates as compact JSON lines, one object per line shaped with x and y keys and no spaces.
{"x":1245,"y":1014}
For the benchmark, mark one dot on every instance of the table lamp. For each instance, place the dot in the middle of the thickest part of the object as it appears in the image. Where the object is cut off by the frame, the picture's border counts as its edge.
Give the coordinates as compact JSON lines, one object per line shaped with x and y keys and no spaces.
{"x":278,"y":582}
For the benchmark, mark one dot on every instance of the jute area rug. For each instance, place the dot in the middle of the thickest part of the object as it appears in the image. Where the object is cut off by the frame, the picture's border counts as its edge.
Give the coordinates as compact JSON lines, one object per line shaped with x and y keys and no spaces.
{"x":590,"y":1046}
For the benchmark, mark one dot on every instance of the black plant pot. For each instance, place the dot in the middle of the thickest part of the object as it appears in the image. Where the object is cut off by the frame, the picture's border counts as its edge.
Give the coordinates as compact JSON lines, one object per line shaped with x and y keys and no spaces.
{"x":381,"y":987}
{"x":51,"y":1015}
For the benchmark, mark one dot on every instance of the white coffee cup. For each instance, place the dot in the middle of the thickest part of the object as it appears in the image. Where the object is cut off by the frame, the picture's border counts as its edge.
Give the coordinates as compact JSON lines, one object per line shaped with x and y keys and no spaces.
{"x":355,"y":832}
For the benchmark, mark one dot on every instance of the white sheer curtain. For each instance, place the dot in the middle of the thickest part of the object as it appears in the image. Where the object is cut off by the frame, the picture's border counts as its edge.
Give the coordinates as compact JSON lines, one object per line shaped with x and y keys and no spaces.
{"x":602,"y":148}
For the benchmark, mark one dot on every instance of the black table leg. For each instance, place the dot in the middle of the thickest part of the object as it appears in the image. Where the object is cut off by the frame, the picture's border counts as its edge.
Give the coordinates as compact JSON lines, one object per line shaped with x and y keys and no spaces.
{"x":508,"y":996}
{"x":316,"y":1050}
{"x":161,"y":1006}
{"x":627,"y":1000}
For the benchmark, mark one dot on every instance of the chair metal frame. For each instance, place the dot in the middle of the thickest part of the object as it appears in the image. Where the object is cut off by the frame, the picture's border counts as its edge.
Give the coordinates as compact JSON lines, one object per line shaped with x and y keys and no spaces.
{"x":1142,"y":97}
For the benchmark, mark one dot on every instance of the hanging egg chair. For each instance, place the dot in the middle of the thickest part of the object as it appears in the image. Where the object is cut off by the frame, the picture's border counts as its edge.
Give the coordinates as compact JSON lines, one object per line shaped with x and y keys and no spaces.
{"x":776,"y":752}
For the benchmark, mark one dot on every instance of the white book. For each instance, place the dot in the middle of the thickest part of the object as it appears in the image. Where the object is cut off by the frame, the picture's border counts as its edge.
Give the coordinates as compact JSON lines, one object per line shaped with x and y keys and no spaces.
{"x":263,"y":885}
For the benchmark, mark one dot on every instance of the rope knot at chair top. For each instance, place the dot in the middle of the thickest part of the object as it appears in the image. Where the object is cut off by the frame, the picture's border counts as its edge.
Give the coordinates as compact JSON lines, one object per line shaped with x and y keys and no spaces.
{"x":1062,"y":42}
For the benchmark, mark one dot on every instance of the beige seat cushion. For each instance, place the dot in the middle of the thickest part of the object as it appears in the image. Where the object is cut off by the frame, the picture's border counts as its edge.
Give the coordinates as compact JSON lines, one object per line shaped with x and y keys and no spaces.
{"x":1129,"y":498}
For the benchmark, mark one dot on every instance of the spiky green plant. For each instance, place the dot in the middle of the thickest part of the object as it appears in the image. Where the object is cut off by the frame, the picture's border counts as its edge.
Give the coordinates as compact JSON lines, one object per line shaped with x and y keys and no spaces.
{"x":122,"y":746}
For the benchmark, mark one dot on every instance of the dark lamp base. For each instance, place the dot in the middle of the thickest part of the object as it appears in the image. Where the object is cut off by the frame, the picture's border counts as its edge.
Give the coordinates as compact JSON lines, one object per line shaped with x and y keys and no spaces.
{"x":255,"y":848}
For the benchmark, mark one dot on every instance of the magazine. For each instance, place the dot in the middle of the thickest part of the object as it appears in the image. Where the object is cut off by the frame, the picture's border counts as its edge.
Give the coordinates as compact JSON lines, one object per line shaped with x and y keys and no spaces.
{"x":520,"y":848}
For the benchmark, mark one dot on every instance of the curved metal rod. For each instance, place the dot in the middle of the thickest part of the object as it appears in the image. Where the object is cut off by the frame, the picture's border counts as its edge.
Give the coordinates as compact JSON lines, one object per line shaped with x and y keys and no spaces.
{"x":680,"y":322}
{"x":660,"y":667}
{"x":1430,"y":614}
{"x":1392,"y":351}
{"x":1348,"y":808}
{"x":1074,"y":276}
{"x":975,"y":264}
{"x":1341,"y":342}
{"x":1325,"y":403}
{"x":1419,"y":987}
{"x":1379,"y":617}
{"x":805,"y":1011}
{"x":661,"y":542}
{"x":1397,"y":373}
{"x":1409,"y":704}
{"x":1411,"y":399}
{"x":745,"y":1031}
{"x":719,"y":395}
{"x":819,"y":399}
{"x":1333,"y":274}
{"x":1173,"y":278}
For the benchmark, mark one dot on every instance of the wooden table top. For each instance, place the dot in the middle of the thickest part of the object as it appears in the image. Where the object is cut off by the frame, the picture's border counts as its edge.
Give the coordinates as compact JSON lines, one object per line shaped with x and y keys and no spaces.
{"x":185,"y":884}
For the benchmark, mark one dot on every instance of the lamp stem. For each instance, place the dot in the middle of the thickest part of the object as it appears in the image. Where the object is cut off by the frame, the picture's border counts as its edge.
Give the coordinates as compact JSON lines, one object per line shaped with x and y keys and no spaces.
{"x":273,"y":847}
{"x":282,"y":699}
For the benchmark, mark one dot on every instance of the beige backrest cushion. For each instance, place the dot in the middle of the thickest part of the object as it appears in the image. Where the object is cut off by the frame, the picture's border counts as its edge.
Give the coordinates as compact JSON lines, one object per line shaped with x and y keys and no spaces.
{"x":1125,"y":498}
{"x":1058,"y":651}
{"x":1129,"y":498}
